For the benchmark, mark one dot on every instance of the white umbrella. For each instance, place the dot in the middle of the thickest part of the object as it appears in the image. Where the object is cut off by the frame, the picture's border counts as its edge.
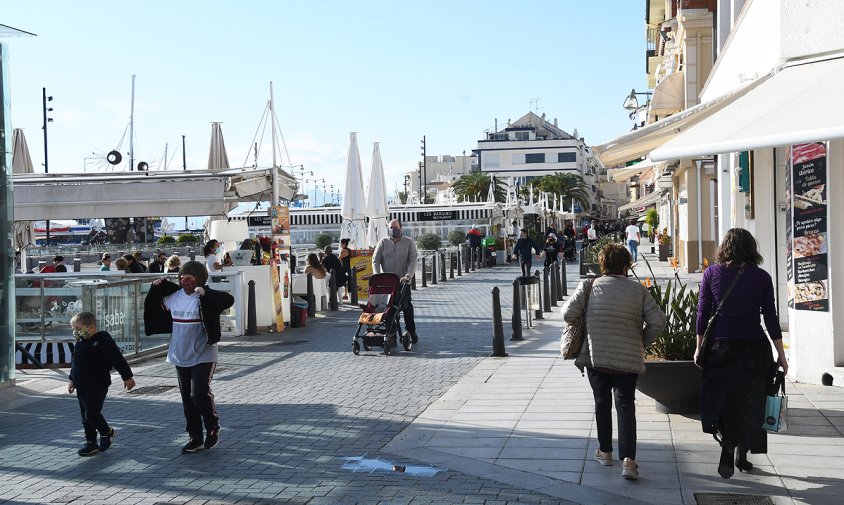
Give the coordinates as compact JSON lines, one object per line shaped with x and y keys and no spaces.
{"x":217,"y":157}
{"x":353,"y":209}
{"x":22,"y":164}
{"x":376,"y":201}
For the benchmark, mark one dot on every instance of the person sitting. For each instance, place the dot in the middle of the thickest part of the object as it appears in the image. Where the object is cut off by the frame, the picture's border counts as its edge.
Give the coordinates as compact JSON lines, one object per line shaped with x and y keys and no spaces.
{"x":173,"y":264}
{"x":133,"y":266}
{"x":156,"y":266}
{"x":314,"y":267}
{"x":105,"y":263}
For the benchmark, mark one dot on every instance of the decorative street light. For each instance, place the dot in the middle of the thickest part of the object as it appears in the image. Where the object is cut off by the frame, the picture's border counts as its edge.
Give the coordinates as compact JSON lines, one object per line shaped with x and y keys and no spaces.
{"x":44,"y":127}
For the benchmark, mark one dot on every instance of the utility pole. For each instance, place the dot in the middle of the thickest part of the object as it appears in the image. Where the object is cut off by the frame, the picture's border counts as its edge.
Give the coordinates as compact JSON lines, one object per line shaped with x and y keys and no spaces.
{"x":424,"y":173}
{"x":44,"y":127}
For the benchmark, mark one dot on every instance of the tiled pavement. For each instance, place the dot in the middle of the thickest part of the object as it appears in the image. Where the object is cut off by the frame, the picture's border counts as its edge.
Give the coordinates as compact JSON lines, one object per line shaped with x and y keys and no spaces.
{"x":509,"y":430}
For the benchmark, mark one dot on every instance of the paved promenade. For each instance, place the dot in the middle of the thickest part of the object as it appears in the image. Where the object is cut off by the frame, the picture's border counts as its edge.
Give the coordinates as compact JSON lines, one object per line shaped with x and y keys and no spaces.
{"x":297,"y":406}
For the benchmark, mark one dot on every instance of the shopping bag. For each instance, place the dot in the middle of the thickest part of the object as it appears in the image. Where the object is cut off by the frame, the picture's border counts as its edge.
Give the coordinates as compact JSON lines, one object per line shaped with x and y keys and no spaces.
{"x":776,"y":407}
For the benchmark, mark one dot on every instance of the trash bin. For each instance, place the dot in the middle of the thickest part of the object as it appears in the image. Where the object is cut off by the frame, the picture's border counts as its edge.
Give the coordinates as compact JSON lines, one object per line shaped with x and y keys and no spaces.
{"x":529,"y":287}
{"x":298,"y":315}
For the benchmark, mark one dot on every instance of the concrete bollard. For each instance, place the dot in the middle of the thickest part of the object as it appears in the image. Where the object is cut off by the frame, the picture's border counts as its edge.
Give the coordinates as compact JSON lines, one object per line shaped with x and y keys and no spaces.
{"x":191,"y":254}
{"x":251,"y":311}
{"x":310,"y":296}
{"x":498,"y":349}
{"x":332,"y":291}
{"x":424,"y":273}
{"x":517,"y":311}
{"x":537,"y":314}
{"x":546,"y":289}
{"x":353,"y":288}
{"x":433,"y":269}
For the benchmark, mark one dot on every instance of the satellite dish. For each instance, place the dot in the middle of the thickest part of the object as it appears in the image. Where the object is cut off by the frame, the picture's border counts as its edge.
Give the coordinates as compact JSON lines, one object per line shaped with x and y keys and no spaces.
{"x":143,"y":166}
{"x":114,"y":157}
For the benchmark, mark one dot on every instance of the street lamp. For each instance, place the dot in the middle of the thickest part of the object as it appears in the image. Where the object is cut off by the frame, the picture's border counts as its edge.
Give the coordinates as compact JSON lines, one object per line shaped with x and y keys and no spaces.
{"x":44,"y":127}
{"x":632,"y":103}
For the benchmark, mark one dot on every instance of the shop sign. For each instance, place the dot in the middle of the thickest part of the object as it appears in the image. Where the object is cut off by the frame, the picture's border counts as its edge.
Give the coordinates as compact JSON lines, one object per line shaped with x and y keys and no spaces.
{"x":436,"y":215}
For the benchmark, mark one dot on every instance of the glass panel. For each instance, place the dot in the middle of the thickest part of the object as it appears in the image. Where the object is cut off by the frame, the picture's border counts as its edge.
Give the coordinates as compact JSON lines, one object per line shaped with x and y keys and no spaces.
{"x":7,"y":255}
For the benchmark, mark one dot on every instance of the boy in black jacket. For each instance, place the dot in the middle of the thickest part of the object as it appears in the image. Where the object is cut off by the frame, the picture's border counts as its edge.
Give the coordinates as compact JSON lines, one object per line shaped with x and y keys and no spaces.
{"x":94,"y":355}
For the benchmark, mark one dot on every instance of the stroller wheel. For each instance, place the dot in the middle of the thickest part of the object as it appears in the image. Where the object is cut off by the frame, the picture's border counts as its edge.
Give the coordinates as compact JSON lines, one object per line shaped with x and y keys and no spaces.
{"x":406,"y":341}
{"x":356,"y":348}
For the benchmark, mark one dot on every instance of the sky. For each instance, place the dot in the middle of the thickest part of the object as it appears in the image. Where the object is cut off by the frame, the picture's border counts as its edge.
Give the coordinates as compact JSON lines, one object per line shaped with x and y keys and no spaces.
{"x":392,"y":71}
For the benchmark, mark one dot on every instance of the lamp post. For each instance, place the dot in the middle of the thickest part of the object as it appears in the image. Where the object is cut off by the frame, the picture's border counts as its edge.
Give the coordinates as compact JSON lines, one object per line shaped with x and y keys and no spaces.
{"x":46,"y":109}
{"x":302,"y":172}
{"x":631,"y":103}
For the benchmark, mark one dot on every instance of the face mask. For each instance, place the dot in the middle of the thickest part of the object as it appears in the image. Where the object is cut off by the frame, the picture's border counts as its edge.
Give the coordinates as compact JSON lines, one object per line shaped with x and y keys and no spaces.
{"x":189,"y":285}
{"x":395,"y":232}
{"x":81,"y":334}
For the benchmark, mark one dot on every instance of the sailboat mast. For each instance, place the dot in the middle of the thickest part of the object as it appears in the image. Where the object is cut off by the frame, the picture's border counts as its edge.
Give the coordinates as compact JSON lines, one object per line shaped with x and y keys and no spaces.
{"x":132,"y":128}
{"x":276,"y":196}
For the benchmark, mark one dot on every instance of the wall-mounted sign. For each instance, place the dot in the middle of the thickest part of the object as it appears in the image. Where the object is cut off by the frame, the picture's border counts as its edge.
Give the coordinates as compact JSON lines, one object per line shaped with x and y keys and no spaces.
{"x":436,"y":215}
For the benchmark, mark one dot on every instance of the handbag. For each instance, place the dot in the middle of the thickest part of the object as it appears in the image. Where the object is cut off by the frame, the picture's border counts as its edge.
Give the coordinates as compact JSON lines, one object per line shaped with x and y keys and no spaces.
{"x":706,"y":341}
{"x":776,"y":406}
{"x":574,"y":334}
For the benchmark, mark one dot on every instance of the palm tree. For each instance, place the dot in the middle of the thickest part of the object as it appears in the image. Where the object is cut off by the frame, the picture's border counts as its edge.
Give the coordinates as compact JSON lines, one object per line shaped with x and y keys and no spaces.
{"x":566,"y":186}
{"x":475,"y":187}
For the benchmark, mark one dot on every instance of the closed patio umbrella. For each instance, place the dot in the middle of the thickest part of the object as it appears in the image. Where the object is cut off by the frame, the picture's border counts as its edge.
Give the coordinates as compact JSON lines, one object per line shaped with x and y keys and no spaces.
{"x":353,"y":209}
{"x":22,"y":164}
{"x":376,"y":201}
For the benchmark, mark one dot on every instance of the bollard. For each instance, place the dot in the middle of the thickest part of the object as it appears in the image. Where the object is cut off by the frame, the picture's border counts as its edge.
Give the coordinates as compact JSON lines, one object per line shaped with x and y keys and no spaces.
{"x":251,"y":312}
{"x":564,"y":283}
{"x":517,"y":312}
{"x":424,"y":273}
{"x":433,"y":269}
{"x":560,"y":272}
{"x":497,"y":325}
{"x":442,"y":267}
{"x":546,"y":290}
{"x":310,"y":296}
{"x":332,"y":291}
{"x":481,"y":257}
{"x":413,"y":282}
{"x":353,"y":288}
{"x":537,"y":314}
{"x":191,"y":254}
{"x":459,"y":259}
{"x":77,"y":265}
{"x":555,"y":283}
{"x":582,"y":265}
{"x":451,"y":265}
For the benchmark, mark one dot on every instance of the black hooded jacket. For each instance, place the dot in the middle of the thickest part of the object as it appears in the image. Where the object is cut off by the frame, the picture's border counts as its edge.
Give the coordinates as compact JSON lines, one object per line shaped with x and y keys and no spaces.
{"x":157,"y":319}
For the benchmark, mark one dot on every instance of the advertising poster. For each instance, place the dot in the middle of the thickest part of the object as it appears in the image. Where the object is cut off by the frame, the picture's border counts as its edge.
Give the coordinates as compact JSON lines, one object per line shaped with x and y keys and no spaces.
{"x":789,"y":259}
{"x":361,"y":262}
{"x":279,"y":309}
{"x":808,"y":241}
{"x":280,"y":217}
{"x":280,"y":229}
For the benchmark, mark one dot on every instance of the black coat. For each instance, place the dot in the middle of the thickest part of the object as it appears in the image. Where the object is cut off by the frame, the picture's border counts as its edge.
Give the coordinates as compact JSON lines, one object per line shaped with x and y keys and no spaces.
{"x":158,"y":319}
{"x":332,"y":262}
{"x":93,"y":359}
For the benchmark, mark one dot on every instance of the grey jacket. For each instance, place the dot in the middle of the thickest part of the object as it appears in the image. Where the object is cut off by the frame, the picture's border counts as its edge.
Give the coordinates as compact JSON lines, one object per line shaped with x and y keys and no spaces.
{"x":395,"y":257}
{"x":616,"y":329}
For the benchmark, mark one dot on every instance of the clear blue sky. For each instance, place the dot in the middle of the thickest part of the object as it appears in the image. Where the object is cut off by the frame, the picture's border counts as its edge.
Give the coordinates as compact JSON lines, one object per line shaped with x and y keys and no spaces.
{"x":390,"y":70}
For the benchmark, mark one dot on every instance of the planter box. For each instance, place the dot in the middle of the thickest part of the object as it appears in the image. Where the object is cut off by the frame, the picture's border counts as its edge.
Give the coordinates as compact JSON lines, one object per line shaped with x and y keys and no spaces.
{"x":664,"y":252}
{"x":674,"y":385}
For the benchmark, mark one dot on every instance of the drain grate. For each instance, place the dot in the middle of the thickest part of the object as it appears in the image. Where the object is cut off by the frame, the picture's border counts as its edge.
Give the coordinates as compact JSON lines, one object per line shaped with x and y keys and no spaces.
{"x":732,"y":499}
{"x":151,"y":390}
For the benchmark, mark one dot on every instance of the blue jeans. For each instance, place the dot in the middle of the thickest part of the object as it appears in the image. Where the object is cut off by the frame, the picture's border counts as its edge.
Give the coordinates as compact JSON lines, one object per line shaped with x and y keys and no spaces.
{"x":634,"y":249}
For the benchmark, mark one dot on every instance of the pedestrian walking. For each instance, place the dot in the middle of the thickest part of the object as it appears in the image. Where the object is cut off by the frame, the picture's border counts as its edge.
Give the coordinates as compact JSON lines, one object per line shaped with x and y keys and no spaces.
{"x":633,"y":239}
{"x":346,"y":260}
{"x":739,"y":362}
{"x":617,"y":310}
{"x":190,"y":312}
{"x":94,"y":355}
{"x":332,"y":262}
{"x":522,"y":251}
{"x":397,"y":254}
{"x":474,"y":239}
{"x":551,"y":249}
{"x":156,"y":266}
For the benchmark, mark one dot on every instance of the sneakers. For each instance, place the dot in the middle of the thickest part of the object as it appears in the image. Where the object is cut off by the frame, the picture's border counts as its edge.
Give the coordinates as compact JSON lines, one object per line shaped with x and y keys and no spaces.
{"x":212,"y":438}
{"x":89,"y":449}
{"x":629,"y":469}
{"x":604,"y":458}
{"x":105,"y":440}
{"x":193,"y":445}
{"x":413,"y":338}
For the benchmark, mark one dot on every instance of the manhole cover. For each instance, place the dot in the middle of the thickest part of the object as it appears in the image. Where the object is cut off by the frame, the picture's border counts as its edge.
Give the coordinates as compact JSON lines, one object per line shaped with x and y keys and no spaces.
{"x":732,"y":499}
{"x":151,"y":390}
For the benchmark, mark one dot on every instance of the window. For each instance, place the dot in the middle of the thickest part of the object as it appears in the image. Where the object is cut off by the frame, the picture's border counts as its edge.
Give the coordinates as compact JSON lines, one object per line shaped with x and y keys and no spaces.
{"x":519,"y":159}
{"x":522,"y":135}
{"x":566,"y":157}
{"x":535,"y":158}
{"x":491,"y":160}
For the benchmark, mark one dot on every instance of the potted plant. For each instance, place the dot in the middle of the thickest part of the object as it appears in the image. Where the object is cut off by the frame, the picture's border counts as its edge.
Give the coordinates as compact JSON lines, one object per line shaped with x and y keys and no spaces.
{"x":589,"y":257}
{"x":652,"y":220}
{"x":671,"y":377}
{"x":664,"y":245}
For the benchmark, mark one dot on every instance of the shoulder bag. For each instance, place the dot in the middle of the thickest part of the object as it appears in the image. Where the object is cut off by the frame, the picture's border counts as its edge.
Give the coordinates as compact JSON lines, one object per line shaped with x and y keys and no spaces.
{"x":776,"y":406}
{"x":574,"y":334}
{"x":706,"y":342}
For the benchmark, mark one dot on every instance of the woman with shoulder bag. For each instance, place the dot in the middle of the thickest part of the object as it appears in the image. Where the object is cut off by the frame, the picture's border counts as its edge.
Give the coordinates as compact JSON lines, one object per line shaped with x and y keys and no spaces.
{"x":738,"y":361}
{"x":622,"y":318}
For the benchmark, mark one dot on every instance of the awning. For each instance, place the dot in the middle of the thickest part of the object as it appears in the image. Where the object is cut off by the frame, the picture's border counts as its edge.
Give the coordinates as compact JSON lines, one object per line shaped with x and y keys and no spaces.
{"x":642,"y":202}
{"x":623,"y":174}
{"x":800,"y":103}
{"x":669,"y":95}
{"x":644,"y":140}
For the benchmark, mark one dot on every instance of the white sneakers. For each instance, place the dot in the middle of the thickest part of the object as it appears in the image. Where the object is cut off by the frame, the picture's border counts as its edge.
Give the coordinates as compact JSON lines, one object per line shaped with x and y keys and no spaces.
{"x":629,"y":469}
{"x":604,"y":458}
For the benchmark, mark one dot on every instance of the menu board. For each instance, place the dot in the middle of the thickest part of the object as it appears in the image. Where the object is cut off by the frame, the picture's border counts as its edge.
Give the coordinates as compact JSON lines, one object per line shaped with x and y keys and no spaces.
{"x":806,"y":228}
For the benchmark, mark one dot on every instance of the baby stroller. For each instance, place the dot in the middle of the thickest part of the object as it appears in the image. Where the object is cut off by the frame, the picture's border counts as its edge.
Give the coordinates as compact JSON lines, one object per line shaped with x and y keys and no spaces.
{"x":378,"y":325}
{"x":569,"y":249}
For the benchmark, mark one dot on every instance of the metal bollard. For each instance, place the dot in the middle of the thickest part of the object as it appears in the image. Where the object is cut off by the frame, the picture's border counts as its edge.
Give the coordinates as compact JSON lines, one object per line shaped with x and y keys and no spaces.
{"x":459,"y":259}
{"x":451,"y":265}
{"x":332,"y":291}
{"x":251,"y":311}
{"x":310,"y":296}
{"x":433,"y":269}
{"x":191,"y":254}
{"x":560,"y":268}
{"x":77,"y":265}
{"x":353,"y":288}
{"x":517,"y":312}
{"x":582,"y":265}
{"x":537,"y":314}
{"x":481,"y":256}
{"x":546,"y":289}
{"x":413,"y":282}
{"x":497,"y":325}
{"x":564,"y":283}
{"x":424,"y":273}
{"x":555,"y":283}
{"x":442,"y":267}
